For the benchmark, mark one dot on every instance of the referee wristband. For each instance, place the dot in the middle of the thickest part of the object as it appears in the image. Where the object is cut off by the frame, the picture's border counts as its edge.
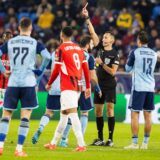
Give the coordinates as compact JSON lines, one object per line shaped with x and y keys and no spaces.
{"x":97,"y":88}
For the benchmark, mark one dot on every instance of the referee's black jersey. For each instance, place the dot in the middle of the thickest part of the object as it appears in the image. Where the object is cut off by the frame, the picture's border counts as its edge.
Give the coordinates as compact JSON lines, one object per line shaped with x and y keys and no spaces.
{"x":106,"y":80}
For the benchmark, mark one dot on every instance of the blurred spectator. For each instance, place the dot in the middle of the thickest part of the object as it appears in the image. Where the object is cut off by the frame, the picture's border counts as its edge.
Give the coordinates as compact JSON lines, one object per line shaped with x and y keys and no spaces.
{"x":44,"y":3}
{"x":46,"y":19}
{"x":138,"y":23}
{"x":153,"y":36}
{"x":156,"y":12}
{"x":124,"y":19}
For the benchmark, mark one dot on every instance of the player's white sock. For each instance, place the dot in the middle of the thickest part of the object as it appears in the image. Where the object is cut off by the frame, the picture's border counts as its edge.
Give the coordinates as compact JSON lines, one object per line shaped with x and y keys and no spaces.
{"x":60,"y":128}
{"x":19,"y":147}
{"x":77,"y":128}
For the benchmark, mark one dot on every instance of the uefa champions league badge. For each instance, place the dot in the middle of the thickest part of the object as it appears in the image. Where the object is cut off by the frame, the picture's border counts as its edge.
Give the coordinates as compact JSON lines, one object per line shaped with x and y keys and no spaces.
{"x":107,"y":61}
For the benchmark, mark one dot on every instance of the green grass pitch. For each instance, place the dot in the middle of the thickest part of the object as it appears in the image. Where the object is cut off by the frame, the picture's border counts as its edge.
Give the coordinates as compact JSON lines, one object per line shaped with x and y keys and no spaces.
{"x":122,"y":138}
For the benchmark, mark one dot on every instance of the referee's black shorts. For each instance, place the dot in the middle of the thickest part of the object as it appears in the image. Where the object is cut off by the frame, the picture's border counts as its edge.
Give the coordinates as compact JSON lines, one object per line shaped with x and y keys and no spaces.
{"x":108,"y":96}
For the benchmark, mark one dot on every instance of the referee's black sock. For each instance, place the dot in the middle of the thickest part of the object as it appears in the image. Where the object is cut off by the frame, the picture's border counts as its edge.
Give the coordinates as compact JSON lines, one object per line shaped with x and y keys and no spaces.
{"x":100,"y":124}
{"x":111,"y":124}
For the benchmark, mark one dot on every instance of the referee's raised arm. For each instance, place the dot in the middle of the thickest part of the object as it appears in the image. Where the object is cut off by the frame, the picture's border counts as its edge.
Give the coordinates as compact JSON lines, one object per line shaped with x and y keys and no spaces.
{"x":92,"y":32}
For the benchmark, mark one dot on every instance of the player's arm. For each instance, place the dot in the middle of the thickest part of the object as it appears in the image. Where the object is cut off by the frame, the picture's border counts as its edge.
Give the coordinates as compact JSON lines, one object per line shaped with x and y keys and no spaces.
{"x":56,"y":69}
{"x":87,"y":78}
{"x":94,"y":79}
{"x":111,"y":70}
{"x":92,"y":32}
{"x":130,"y":62}
{"x":46,"y":58}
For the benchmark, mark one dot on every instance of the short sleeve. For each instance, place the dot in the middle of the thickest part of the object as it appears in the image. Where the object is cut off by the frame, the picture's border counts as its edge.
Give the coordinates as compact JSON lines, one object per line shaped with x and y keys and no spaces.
{"x":91,"y":62}
{"x":4,"y":49}
{"x":116,"y":59}
{"x":40,"y":48}
{"x":58,"y":56}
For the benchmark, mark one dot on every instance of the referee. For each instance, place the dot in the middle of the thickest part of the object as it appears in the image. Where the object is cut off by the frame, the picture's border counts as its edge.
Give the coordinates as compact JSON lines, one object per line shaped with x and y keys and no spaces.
{"x":107,"y":61}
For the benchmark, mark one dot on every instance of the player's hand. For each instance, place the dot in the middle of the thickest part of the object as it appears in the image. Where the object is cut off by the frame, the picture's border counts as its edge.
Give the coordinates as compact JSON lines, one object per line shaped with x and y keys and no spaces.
{"x":48,"y":87}
{"x":85,"y":11}
{"x":7,"y":74}
{"x":87,"y":93}
{"x":98,"y":60}
{"x":98,"y":90}
{"x":100,"y":94}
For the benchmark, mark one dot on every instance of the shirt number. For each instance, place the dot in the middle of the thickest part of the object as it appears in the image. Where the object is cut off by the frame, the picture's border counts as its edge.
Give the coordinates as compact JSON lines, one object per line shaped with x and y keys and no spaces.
{"x":147,"y":65}
{"x":76,"y":60}
{"x":17,"y":51}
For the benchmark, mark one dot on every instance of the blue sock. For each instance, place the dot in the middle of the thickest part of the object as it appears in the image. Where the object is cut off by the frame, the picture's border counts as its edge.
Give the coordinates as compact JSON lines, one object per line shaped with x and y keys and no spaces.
{"x":66,"y":131}
{"x":4,"y":126}
{"x":84,"y":122}
{"x":44,"y":121}
{"x":23,"y":130}
{"x":146,"y":138}
{"x":135,"y":139}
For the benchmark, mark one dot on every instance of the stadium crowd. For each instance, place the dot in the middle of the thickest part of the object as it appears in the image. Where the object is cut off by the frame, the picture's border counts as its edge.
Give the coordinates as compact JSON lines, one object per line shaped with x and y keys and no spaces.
{"x":124,"y":18}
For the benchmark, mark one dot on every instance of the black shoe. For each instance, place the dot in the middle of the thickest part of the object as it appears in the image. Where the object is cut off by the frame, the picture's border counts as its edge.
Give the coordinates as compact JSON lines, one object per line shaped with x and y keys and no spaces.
{"x":97,"y":142}
{"x":109,"y":143}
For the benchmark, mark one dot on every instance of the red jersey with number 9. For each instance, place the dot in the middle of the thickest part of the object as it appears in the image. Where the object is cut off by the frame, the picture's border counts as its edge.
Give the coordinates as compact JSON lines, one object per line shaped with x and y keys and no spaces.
{"x":71,"y":57}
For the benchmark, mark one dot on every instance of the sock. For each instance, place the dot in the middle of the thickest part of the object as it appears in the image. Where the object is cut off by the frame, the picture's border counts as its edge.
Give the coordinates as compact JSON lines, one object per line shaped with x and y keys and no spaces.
{"x":76,"y":125}
{"x":22,"y":133}
{"x":100,"y":124}
{"x":84,"y":122}
{"x":146,"y":138}
{"x":67,"y":130}
{"x":111,"y":124}
{"x":44,"y":121}
{"x":4,"y":126}
{"x":60,"y":128}
{"x":135,"y":139}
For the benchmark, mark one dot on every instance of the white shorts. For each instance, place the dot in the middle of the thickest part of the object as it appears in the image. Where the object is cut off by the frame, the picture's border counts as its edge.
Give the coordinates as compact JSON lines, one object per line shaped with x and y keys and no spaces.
{"x":69,"y":99}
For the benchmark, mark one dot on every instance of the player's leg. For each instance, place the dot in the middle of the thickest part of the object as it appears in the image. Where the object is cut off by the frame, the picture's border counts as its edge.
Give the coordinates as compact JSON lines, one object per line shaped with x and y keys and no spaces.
{"x":10,"y":104}
{"x":136,"y":105}
{"x":4,"y":127}
{"x":28,"y":103}
{"x":84,"y":121}
{"x":110,"y":101}
{"x":148,"y":108}
{"x":64,"y":140}
{"x":76,"y":125}
{"x":53,"y":104}
{"x":43,"y":122}
{"x":99,"y":103}
{"x":73,"y":115}
{"x":111,"y":123}
{"x":85,"y":106}
{"x":59,"y":131}
{"x":23,"y":131}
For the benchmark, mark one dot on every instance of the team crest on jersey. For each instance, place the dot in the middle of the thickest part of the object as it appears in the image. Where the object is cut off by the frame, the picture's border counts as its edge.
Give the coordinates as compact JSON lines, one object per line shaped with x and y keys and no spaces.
{"x":107,"y":61}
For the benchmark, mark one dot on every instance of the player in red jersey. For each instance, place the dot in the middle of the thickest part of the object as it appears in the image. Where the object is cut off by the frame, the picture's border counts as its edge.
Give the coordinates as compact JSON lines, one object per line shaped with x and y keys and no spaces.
{"x":3,"y":77}
{"x":70,"y":62}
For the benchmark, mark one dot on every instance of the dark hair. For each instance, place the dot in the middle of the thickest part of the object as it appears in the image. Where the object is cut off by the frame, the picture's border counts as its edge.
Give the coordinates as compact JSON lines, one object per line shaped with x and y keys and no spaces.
{"x":110,"y":32}
{"x":7,"y":35}
{"x":25,"y":22}
{"x":67,"y":31}
{"x":143,"y":37}
{"x":85,"y":40}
